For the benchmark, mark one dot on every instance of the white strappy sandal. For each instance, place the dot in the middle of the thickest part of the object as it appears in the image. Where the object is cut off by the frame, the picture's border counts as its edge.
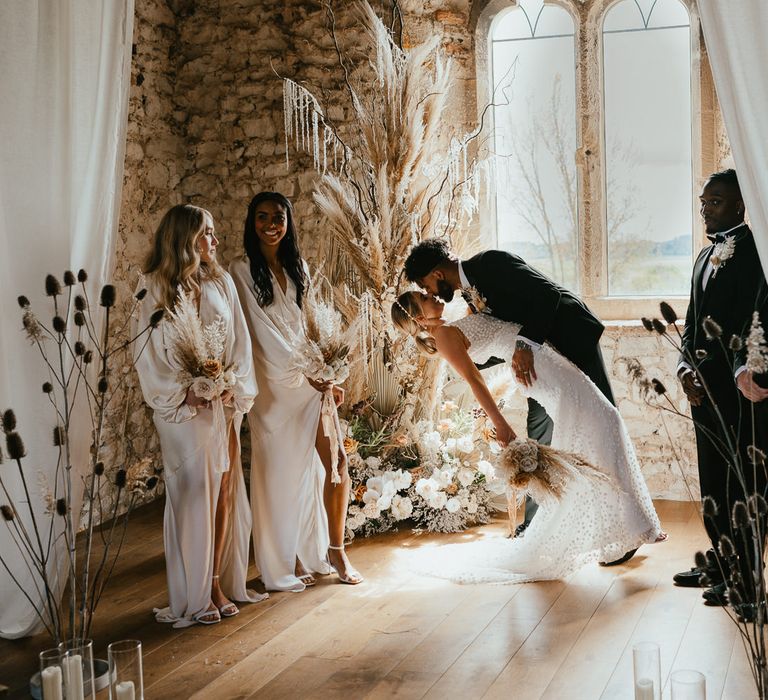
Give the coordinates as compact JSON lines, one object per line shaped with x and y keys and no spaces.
{"x":350,"y":572}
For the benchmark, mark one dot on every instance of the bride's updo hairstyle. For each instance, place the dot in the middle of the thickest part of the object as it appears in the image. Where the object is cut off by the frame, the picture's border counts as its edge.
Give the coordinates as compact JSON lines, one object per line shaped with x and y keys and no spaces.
{"x":404,"y":313}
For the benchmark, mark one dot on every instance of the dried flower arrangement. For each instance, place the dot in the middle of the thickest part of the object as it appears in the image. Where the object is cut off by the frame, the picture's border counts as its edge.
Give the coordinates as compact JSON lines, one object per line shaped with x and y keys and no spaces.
{"x":748,"y":517}
{"x":85,"y":355}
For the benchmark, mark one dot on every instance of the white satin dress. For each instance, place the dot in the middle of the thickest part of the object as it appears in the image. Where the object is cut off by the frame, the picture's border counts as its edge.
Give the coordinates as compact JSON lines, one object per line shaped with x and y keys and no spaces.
{"x":287,"y":477}
{"x":194,"y":458}
{"x":595,"y":520}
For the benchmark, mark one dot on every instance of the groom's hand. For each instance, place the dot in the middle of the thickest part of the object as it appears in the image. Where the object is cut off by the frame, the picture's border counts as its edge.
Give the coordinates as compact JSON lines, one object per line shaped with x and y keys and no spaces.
{"x":522,"y":364}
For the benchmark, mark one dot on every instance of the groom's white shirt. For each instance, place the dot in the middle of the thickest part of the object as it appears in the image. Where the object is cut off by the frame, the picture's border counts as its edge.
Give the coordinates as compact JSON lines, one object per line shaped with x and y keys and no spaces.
{"x":463,"y":278}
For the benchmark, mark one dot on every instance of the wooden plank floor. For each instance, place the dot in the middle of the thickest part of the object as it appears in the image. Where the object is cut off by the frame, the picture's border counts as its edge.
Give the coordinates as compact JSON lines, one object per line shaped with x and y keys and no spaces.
{"x":400,"y":635}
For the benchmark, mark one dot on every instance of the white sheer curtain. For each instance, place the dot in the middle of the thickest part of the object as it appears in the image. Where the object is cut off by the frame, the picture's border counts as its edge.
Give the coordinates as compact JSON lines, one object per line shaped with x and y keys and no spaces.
{"x":735,"y":37}
{"x":64,"y":77}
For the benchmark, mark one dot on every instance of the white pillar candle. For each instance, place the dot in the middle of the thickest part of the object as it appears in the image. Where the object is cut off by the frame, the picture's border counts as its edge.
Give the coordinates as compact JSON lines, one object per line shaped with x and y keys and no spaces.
{"x":51,"y":678}
{"x":644,"y":689}
{"x":124,"y":691}
{"x":73,"y":670}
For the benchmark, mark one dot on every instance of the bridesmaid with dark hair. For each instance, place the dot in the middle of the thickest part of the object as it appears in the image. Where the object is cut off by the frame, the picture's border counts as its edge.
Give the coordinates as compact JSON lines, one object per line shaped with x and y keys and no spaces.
{"x":290,"y":453}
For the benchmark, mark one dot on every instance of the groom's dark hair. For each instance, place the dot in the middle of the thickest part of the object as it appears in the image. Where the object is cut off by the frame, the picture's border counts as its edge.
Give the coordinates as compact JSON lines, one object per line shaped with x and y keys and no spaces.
{"x":425,"y":257}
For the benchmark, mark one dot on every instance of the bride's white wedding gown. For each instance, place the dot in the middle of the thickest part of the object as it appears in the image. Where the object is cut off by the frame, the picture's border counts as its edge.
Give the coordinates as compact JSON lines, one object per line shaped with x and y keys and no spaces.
{"x":593,"y":521}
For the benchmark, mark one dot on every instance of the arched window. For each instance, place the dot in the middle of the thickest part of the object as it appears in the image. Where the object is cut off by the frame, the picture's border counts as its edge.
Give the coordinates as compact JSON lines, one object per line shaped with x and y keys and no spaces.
{"x":647,"y":147}
{"x":533,"y":66}
{"x":598,"y":143}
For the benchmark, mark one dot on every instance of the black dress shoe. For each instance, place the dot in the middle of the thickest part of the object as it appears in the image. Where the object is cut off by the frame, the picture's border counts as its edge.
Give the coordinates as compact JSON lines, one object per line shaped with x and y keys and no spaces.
{"x":690,"y":578}
{"x":624,"y":557}
{"x":717,"y":595}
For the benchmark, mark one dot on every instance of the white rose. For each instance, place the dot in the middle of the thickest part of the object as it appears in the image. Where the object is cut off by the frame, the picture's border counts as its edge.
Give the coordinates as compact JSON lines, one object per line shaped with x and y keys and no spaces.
{"x":425,"y":488}
{"x":402,"y":507}
{"x":371,"y":496}
{"x":443,"y":477}
{"x":465,"y":477}
{"x":205,"y":388}
{"x":371,"y":510}
{"x":438,"y":500}
{"x":453,"y":505}
{"x":376,"y":483}
{"x":450,"y":444}
{"x":389,"y":489}
{"x":486,"y":469}
{"x":352,"y":511}
{"x":465,"y":444}
{"x":385,"y":502}
{"x":432,"y":441}
{"x":403,"y":479}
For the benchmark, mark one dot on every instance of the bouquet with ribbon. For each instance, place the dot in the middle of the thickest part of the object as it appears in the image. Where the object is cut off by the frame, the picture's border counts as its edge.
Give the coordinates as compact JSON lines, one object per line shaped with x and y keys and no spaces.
{"x":199,"y":349}
{"x":322,"y":354}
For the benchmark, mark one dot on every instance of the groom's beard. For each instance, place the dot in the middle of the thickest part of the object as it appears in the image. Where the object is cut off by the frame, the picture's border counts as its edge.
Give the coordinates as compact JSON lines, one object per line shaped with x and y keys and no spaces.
{"x":444,"y":291}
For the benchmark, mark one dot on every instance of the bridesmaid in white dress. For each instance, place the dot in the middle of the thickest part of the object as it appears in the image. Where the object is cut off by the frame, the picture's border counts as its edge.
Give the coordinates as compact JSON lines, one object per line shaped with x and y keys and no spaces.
{"x":594,"y":520}
{"x":290,"y":454}
{"x":207,"y":523}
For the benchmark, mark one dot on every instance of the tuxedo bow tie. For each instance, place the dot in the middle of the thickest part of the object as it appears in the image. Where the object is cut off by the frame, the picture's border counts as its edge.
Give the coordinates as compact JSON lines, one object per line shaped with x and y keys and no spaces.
{"x":716,"y":237}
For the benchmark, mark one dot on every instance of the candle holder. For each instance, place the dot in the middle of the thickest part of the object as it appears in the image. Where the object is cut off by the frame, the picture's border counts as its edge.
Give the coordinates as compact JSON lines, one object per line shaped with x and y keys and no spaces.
{"x":647,"y":666}
{"x":51,"y":675}
{"x":126,"y":676}
{"x":688,"y":685}
{"x":77,"y":669}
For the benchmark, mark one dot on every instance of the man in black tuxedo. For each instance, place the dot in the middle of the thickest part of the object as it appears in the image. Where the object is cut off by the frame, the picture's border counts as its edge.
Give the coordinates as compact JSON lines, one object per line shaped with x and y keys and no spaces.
{"x":513,"y":291}
{"x":726,"y":287}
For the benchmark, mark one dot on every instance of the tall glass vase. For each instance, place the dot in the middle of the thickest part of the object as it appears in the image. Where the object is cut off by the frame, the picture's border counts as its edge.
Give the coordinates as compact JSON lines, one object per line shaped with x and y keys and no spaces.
{"x":126,"y":676}
{"x":51,"y":675}
{"x":77,"y":667}
{"x":646,"y":661}
{"x":688,"y":685}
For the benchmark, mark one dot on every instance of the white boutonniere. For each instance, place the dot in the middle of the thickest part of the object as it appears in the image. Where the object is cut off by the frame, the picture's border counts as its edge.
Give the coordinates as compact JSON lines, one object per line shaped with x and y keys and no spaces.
{"x":478,"y":301}
{"x":721,"y":253}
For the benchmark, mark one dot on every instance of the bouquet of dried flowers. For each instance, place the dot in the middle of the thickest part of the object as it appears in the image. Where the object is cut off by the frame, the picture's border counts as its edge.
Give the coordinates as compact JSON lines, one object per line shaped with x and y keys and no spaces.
{"x":199,"y":349}
{"x":543,"y":471}
{"x":87,"y":361}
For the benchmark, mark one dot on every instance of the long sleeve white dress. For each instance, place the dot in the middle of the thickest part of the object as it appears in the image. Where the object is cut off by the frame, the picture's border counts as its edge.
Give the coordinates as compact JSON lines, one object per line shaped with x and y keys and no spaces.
{"x":194,"y":458}
{"x":594,"y":520}
{"x":287,"y":477}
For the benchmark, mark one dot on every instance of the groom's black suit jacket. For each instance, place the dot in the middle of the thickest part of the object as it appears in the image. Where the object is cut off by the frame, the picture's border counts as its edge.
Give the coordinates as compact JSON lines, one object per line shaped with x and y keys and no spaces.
{"x":516,"y":292}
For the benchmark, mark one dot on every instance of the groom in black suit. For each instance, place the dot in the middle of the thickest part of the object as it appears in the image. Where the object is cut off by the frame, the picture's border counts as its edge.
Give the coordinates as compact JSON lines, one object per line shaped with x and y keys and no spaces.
{"x":727,"y":286}
{"x":509,"y":289}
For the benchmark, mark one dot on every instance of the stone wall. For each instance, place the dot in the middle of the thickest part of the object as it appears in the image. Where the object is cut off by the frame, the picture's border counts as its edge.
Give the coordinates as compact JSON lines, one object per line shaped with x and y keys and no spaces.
{"x":206,"y":126}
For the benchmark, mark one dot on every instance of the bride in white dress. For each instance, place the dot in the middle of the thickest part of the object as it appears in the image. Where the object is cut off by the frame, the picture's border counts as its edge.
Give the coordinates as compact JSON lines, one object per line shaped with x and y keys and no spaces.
{"x":291,"y":489}
{"x":207,"y":520}
{"x":594,"y":520}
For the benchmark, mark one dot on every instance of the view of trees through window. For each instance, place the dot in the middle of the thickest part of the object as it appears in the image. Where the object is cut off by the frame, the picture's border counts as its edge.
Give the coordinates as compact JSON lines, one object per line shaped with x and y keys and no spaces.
{"x":648,"y":204}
